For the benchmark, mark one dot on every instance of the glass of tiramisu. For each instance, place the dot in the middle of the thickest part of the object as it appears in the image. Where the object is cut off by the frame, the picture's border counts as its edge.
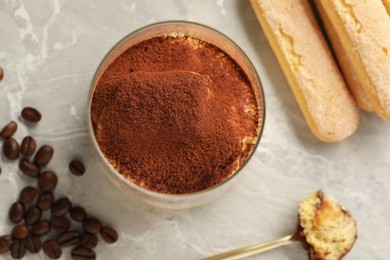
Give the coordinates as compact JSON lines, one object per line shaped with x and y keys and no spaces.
{"x":176,"y":109}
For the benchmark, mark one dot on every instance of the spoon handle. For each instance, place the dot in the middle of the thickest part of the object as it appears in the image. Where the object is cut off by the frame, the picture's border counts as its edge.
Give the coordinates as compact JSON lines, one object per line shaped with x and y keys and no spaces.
{"x":253,"y":249}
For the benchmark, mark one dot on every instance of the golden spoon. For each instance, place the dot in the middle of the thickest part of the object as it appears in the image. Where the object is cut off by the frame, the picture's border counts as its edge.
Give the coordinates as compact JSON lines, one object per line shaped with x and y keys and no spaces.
{"x":324,"y":225}
{"x":256,"y":249}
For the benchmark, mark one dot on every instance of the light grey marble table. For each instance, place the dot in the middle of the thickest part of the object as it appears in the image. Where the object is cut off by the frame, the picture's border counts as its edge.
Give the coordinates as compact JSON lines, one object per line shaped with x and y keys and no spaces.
{"x":49,"y":50}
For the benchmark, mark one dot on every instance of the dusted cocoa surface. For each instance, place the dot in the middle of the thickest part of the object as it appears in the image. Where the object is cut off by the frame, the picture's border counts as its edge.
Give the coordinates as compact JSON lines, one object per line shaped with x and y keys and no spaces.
{"x":175,"y":115}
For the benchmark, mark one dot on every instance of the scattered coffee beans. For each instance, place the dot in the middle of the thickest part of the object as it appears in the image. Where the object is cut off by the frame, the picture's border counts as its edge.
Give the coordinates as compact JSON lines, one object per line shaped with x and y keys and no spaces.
{"x":89,"y":240}
{"x":61,"y":207}
{"x":18,"y":249}
{"x":33,"y":215}
{"x":28,"y":146}
{"x":5,"y":243}
{"x":21,"y":238}
{"x":41,"y":228}
{"x":60,"y":224}
{"x":52,"y":249}
{"x":29,"y":168}
{"x":77,"y":167}
{"x":80,"y":253}
{"x":68,"y":238}
{"x":11,"y":148}
{"x":16,"y":212}
{"x":47,"y":181}
{"x":43,"y":155}
{"x":27,"y":195}
{"x":20,"y":232}
{"x":78,"y":213}
{"x":45,"y":200}
{"x":92,"y":225}
{"x":33,"y":244}
{"x":9,"y":129}
{"x":31,"y":114}
{"x":1,"y":73}
{"x":109,"y":235}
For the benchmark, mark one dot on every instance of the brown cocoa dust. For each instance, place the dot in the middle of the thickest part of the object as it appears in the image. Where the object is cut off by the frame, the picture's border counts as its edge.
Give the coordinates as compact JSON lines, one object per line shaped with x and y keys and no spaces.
{"x":175,"y":115}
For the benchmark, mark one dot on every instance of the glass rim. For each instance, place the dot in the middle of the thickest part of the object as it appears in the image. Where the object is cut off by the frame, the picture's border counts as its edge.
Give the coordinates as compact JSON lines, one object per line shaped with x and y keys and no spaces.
{"x":128,"y":182}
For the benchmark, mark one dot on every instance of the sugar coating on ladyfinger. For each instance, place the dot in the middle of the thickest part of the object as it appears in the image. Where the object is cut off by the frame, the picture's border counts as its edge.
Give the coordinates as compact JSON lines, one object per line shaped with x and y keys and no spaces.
{"x":310,"y":69}
{"x":345,"y":62}
{"x":363,"y":28}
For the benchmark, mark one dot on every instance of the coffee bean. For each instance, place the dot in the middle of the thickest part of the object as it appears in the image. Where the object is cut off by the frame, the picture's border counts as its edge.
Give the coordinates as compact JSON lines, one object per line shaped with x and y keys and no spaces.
{"x":43,"y":156}
{"x":41,"y":228}
{"x":45,"y":200}
{"x":78,"y":213}
{"x":31,"y":114}
{"x":1,"y":73}
{"x":11,"y":148}
{"x":16,"y":212}
{"x":5,"y":243}
{"x":29,"y":168}
{"x":9,"y":129}
{"x":18,"y":249}
{"x":60,"y":224}
{"x":61,"y":207}
{"x":109,"y":235}
{"x":33,"y":244}
{"x":28,"y":146}
{"x":89,"y":240}
{"x":52,"y":249}
{"x":20,"y":231}
{"x":27,"y":195}
{"x":77,"y":167}
{"x":92,"y":225}
{"x":47,"y":181}
{"x":69,"y":238}
{"x":33,"y":215}
{"x":80,"y":253}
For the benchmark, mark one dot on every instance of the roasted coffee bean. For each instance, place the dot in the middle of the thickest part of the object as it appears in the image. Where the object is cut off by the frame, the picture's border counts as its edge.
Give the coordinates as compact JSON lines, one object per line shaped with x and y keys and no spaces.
{"x":80,"y":253}
{"x":43,"y":156}
{"x":20,"y":231}
{"x":11,"y":149}
{"x":47,"y":181}
{"x":33,"y":244}
{"x":41,"y":228}
{"x":33,"y":215}
{"x":1,"y":73}
{"x":29,"y":168}
{"x":69,"y":238}
{"x":27,"y":195}
{"x":45,"y":200}
{"x":31,"y":114}
{"x":78,"y":213}
{"x":9,"y":129}
{"x":60,"y":224}
{"x":92,"y":225}
{"x":16,"y":212}
{"x":18,"y":249}
{"x":61,"y":207}
{"x":109,"y":235}
{"x":52,"y":249}
{"x":77,"y":167}
{"x":89,"y":240}
{"x":28,"y":146}
{"x":5,"y":243}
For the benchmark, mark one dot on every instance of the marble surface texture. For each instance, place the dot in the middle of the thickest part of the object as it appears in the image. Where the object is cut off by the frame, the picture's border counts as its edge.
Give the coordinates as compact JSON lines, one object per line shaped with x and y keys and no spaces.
{"x":49,"y":50}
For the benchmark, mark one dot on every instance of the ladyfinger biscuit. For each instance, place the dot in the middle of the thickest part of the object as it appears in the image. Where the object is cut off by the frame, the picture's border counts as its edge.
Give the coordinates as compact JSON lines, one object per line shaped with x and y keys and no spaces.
{"x":310,"y":69}
{"x":364,"y":31}
{"x":345,"y":63}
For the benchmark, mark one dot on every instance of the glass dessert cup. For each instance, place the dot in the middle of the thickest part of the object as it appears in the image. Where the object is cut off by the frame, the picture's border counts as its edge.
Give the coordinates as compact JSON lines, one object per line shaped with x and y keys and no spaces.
{"x":209,"y":35}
